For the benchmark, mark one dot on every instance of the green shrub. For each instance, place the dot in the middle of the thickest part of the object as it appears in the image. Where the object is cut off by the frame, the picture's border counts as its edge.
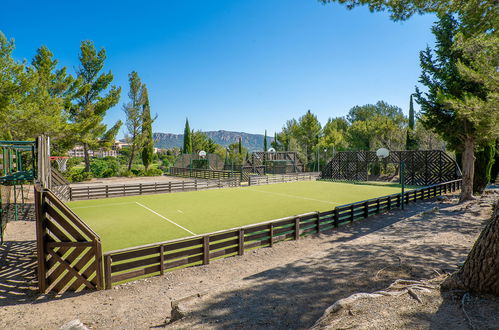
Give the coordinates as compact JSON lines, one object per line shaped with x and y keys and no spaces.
{"x":104,"y":167}
{"x":138,"y":171}
{"x":153,"y":172}
{"x":126,"y":173}
{"x":77,"y":175}
{"x":72,"y":162}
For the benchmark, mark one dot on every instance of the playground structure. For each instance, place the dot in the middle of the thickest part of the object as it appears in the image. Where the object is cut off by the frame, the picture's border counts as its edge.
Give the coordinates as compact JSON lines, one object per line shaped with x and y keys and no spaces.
{"x":422,"y":167}
{"x":17,"y":169}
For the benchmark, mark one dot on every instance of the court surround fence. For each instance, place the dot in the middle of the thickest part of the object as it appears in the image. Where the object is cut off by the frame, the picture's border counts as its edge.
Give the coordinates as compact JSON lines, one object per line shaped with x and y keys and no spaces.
{"x":130,"y":189}
{"x":280,"y":178}
{"x":69,"y":253}
{"x":204,"y":174}
{"x":155,"y":259}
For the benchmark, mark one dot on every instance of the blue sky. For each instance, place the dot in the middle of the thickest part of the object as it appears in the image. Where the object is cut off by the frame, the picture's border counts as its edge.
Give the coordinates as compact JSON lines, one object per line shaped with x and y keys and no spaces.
{"x":234,"y":65}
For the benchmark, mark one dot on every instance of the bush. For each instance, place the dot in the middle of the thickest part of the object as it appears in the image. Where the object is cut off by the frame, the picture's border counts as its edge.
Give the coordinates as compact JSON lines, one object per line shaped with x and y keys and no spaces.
{"x":77,"y":175}
{"x":72,"y":162}
{"x":105,"y":167}
{"x":154,"y":172}
{"x":126,"y":173}
{"x":138,"y":171}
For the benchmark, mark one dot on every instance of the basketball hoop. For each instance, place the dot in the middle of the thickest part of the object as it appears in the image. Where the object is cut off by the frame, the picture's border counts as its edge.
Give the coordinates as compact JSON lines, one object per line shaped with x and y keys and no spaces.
{"x":61,"y":162}
{"x":382,"y":153}
{"x":202,"y":154}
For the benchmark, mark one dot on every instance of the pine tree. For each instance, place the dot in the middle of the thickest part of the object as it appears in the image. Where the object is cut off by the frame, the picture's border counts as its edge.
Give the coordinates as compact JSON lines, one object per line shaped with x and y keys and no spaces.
{"x":148,"y":142}
{"x":240,"y":146}
{"x":187,"y":138}
{"x":90,"y":106}
{"x":461,"y":102}
{"x":265,"y":142}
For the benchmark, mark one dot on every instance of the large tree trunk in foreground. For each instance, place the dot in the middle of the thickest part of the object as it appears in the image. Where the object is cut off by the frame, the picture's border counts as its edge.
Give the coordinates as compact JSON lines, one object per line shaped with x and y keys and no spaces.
{"x":468,"y":169}
{"x":480,"y":272}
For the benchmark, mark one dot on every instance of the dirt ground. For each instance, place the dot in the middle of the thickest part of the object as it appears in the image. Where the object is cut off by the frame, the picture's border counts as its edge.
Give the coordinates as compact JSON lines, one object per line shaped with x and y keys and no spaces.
{"x":124,"y":180}
{"x":285,"y":287}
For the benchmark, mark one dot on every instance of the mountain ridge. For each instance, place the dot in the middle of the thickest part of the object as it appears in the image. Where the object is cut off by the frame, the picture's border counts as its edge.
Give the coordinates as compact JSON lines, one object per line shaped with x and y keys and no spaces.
{"x":253,"y":142}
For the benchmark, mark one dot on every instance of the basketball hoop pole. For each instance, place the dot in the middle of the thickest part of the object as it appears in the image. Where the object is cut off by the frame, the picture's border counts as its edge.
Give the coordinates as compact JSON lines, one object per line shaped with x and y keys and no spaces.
{"x":402,"y":181}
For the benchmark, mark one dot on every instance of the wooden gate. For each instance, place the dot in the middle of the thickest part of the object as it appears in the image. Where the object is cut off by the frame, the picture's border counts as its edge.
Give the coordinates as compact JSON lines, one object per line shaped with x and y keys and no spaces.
{"x":69,"y":252}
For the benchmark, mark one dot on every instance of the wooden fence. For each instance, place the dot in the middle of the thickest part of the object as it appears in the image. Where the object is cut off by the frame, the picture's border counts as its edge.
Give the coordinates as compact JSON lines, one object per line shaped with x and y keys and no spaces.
{"x":107,"y":191}
{"x":69,"y":253}
{"x":204,"y":174}
{"x":280,"y":178}
{"x":59,"y":185}
{"x":155,"y":259}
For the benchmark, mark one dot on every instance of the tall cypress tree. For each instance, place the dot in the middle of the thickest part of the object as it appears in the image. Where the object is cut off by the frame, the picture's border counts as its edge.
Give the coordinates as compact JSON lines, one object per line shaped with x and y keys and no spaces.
{"x":187,"y":138}
{"x":411,"y":143}
{"x":240,"y":146}
{"x":134,"y":121}
{"x":265,"y":142}
{"x":411,"y":114}
{"x":148,"y":143}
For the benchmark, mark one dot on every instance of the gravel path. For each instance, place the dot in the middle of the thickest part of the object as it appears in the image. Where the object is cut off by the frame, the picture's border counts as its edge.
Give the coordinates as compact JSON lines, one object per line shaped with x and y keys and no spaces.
{"x":284,"y":287}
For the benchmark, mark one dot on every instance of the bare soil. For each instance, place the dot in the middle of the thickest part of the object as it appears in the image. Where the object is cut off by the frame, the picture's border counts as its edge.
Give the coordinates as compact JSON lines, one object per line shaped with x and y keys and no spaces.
{"x":125,"y":180}
{"x":285,"y":287}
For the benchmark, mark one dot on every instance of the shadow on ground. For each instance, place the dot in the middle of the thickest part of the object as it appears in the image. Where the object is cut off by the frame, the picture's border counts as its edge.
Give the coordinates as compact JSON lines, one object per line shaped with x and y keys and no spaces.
{"x":17,"y":272}
{"x":296,"y":294}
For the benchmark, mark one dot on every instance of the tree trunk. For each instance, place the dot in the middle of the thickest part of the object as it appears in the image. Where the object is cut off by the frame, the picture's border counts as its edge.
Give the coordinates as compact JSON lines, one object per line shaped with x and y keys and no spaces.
{"x":468,"y":169}
{"x":480,"y":272}
{"x":132,"y":155}
{"x":87,"y":157}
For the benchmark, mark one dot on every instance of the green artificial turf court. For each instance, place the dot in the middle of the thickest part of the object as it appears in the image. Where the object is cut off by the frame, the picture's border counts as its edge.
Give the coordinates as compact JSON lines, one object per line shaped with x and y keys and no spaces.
{"x":136,"y":220}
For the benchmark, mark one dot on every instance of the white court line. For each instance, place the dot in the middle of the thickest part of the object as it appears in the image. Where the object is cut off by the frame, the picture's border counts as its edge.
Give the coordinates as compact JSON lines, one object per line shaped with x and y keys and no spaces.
{"x":159,"y":215}
{"x":102,"y":205}
{"x":281,"y":194}
{"x":179,"y":211}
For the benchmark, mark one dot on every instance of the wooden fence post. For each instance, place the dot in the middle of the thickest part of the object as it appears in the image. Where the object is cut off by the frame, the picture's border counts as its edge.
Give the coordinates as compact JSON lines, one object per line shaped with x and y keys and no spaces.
{"x":98,"y":264}
{"x":366,"y":209}
{"x":206,"y":250}
{"x":336,"y":217}
{"x":161,"y":259}
{"x":40,"y":238}
{"x":318,"y":222}
{"x":140,"y":188}
{"x":271,"y":234}
{"x":107,"y":271}
{"x":297,"y":228}
{"x":351,"y":213}
{"x":240,"y":250}
{"x":377,"y":206}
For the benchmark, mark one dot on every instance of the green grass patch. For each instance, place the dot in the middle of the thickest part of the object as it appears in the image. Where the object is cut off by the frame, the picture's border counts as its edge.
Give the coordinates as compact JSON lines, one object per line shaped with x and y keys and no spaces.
{"x":136,"y":220}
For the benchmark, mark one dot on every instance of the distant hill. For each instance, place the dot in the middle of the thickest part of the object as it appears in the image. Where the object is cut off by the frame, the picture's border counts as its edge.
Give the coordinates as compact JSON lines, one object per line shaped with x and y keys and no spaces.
{"x":253,"y":142}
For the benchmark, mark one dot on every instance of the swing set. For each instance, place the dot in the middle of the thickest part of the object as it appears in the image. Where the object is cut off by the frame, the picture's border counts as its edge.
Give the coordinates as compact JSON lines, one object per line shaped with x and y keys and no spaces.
{"x":17,"y":168}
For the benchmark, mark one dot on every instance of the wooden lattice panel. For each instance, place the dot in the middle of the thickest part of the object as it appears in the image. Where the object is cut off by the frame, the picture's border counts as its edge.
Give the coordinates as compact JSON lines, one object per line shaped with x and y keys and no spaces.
{"x":69,"y":252}
{"x":422,"y":168}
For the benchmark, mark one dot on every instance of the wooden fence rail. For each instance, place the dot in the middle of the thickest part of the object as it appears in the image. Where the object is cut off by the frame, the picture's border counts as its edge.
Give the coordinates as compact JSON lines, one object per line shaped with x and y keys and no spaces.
{"x":107,"y":191}
{"x":155,"y":259}
{"x":280,"y":178}
{"x":205,"y":174}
